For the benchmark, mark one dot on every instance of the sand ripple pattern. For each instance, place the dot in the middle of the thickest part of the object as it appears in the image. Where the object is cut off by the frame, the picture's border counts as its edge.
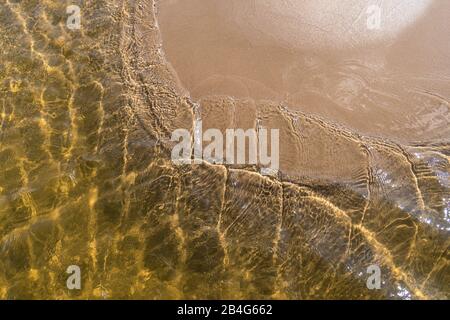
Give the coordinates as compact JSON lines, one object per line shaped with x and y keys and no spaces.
{"x":86,"y":179}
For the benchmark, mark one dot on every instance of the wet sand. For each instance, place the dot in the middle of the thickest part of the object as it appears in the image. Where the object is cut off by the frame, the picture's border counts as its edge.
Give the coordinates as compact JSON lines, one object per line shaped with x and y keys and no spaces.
{"x":320,"y":59}
{"x":87,"y":179}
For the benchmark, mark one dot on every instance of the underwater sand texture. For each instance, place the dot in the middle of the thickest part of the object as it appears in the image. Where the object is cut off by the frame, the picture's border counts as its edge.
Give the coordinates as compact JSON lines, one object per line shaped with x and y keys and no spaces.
{"x":86,"y":179}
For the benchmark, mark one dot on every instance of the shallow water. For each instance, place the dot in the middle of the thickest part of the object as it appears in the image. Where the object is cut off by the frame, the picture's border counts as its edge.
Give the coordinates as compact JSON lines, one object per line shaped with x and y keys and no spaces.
{"x":86,"y":177}
{"x":392,"y":82}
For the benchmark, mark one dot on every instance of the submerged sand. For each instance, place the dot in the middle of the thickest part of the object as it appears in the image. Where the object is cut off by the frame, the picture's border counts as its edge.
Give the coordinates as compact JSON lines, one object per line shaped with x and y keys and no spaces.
{"x":87,"y":179}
